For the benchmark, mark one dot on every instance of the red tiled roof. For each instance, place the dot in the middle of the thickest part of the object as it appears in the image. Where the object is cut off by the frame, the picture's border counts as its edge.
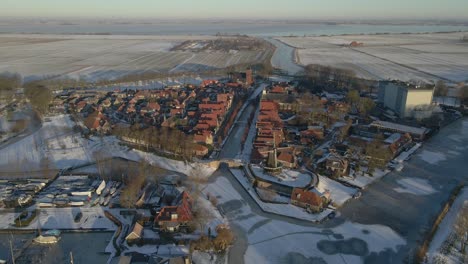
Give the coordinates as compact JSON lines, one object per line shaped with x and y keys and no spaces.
{"x":304,"y":196}
{"x":183,"y":211}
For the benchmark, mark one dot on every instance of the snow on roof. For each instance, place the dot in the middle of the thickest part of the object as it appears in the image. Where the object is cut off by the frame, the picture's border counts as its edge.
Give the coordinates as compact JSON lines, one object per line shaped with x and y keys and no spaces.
{"x":393,"y":138}
{"x":399,"y":127}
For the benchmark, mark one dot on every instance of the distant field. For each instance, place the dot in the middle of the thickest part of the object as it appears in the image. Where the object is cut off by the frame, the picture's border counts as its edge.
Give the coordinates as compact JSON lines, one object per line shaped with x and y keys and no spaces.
{"x":399,"y":56}
{"x":95,"y":57}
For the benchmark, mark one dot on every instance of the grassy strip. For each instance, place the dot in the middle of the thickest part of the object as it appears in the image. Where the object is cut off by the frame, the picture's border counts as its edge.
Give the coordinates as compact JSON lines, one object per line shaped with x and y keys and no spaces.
{"x":422,"y":250}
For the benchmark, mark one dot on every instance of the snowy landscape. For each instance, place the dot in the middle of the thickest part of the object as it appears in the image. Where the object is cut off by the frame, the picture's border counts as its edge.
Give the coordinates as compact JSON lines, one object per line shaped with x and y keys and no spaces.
{"x":403,"y":57}
{"x":96,"y":57}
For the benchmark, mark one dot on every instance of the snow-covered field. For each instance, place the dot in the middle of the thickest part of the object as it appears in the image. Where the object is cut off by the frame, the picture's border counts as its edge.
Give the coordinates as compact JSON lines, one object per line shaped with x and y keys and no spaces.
{"x":404,"y":57}
{"x":272,"y":241}
{"x":54,"y":145}
{"x":108,"y":57}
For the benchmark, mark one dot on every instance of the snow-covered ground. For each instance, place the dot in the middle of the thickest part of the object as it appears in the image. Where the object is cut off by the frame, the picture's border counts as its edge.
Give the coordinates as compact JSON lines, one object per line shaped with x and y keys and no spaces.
{"x":287,"y":177}
{"x":446,"y":228}
{"x":339,"y":193}
{"x":415,"y":186}
{"x":363,"y":180}
{"x":109,"y":57}
{"x":392,"y":56}
{"x":273,"y":241}
{"x":55,"y":145}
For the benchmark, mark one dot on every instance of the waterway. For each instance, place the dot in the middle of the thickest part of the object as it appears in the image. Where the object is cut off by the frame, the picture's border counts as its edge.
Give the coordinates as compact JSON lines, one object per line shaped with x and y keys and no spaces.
{"x":85,"y":248}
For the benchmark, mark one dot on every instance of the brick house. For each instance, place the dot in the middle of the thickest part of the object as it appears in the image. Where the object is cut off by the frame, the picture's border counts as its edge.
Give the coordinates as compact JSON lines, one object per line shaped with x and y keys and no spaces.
{"x":174,"y":218}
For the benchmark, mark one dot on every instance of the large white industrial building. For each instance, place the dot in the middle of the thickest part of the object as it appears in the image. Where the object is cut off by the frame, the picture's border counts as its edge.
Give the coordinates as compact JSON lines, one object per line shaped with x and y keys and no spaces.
{"x":407,"y":100}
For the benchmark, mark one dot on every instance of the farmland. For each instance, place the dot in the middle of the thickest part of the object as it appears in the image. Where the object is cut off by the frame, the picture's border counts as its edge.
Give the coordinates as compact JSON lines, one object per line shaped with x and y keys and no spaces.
{"x":100,"y":57}
{"x":405,"y":57}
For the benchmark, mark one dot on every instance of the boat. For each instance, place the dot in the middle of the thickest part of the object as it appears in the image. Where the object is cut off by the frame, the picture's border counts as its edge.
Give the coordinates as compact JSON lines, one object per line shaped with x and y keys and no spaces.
{"x":76,"y":203}
{"x":105,"y":192}
{"x":43,"y":205}
{"x":24,"y":199}
{"x":46,"y":239}
{"x":101,"y":200}
{"x":86,"y":193}
{"x":107,"y":201}
{"x":95,"y":202}
{"x":101,"y":187}
{"x":113,"y":190}
{"x":52,"y":232}
{"x":61,"y":202}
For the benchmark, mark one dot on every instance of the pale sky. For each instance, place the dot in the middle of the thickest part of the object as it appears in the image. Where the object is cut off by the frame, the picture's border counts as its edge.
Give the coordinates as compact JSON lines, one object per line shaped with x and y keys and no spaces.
{"x":271,"y":9}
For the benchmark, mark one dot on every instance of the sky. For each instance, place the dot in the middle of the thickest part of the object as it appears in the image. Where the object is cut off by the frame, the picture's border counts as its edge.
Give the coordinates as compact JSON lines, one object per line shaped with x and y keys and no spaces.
{"x":262,"y":9}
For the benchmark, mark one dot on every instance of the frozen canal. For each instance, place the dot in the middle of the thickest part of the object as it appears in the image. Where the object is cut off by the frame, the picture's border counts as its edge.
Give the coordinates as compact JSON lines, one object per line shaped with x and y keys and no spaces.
{"x":283,"y":58}
{"x":86,"y":247}
{"x":428,"y":178}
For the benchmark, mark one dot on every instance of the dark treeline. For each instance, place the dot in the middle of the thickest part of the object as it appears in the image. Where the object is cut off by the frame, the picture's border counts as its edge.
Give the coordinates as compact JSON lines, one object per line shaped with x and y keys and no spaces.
{"x":328,"y":78}
{"x":162,"y":140}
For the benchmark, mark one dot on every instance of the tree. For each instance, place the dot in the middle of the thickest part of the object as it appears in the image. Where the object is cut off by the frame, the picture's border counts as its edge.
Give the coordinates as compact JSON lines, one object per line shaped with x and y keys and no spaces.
{"x":461,"y":227}
{"x":440,"y":88}
{"x":365,"y":106}
{"x":344,"y":130}
{"x":39,"y":96}
{"x":379,"y":154}
{"x":353,"y":97}
{"x":463,"y":94}
{"x":224,"y":239}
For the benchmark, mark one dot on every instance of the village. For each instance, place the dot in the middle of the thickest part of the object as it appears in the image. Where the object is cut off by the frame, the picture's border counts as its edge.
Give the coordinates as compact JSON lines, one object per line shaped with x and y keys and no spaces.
{"x":302,"y":155}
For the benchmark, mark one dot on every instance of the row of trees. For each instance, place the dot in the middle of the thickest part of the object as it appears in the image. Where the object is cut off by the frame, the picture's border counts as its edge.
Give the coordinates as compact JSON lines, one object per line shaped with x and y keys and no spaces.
{"x":326,"y":77}
{"x":168,"y":140}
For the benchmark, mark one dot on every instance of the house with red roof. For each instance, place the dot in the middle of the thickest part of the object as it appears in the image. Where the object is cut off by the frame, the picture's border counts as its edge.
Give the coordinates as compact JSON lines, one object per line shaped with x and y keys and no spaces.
{"x":176,"y":217}
{"x":313,"y":201}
